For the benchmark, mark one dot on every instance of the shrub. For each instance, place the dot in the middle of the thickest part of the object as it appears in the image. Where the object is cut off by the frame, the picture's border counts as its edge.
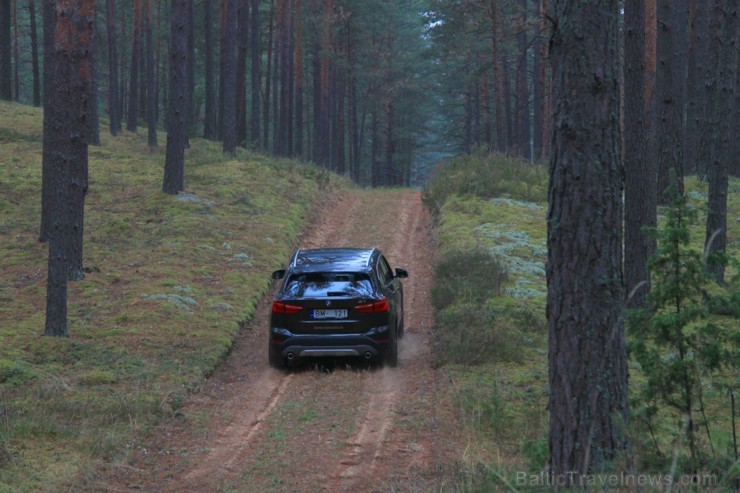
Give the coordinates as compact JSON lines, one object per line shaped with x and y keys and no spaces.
{"x":470,"y":277}
{"x":486,"y":176}
{"x":474,"y":334}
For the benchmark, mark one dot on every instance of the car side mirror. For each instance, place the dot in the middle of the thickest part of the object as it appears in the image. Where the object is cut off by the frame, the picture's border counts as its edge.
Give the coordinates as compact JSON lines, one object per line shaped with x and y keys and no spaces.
{"x":401,"y":273}
{"x":278,"y":274}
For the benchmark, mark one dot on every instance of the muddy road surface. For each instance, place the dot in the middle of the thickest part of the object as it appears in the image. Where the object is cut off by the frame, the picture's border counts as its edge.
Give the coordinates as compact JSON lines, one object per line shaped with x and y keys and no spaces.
{"x":333,"y":426}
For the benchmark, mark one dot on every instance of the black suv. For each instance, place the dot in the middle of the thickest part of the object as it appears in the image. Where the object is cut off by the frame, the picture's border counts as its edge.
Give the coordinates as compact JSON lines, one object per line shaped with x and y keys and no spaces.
{"x":337,"y":302}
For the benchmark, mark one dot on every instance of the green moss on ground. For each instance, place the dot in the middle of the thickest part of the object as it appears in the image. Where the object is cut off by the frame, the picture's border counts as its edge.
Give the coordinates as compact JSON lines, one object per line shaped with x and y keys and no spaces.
{"x":170,"y":279}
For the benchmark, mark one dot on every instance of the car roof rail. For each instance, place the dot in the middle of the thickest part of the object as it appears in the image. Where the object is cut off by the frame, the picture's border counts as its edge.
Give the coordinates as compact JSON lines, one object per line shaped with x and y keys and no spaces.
{"x":294,"y":262}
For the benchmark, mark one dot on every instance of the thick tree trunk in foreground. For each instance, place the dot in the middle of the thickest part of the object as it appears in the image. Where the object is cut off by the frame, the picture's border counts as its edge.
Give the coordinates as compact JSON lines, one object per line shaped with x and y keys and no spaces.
{"x":68,"y":111}
{"x":588,"y":368}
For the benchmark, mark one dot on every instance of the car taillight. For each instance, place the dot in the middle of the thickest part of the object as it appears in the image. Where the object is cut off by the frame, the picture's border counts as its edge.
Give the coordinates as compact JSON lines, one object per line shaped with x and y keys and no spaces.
{"x":375,"y":307}
{"x":280,"y":307}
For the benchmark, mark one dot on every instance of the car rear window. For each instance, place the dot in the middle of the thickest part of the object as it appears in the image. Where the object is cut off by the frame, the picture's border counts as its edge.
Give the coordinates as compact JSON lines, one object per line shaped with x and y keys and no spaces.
{"x":321,"y":284}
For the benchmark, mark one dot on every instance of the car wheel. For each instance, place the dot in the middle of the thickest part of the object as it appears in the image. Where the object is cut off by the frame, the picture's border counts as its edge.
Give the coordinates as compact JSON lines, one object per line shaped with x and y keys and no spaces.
{"x":276,"y":361}
{"x":391,"y":355}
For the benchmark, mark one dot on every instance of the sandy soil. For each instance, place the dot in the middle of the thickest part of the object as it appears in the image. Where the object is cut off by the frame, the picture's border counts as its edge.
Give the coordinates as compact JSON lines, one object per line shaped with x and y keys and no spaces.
{"x":334,"y":427}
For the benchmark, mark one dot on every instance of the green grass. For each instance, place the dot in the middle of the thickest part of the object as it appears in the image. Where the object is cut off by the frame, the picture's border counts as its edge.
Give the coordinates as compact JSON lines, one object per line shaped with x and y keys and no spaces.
{"x":495,"y":375}
{"x":169,"y":281}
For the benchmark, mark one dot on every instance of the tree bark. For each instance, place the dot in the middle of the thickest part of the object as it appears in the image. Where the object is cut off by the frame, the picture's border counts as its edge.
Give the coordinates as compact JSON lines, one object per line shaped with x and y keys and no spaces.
{"x":241,"y":71}
{"x":210,"y":125}
{"x":268,"y":78}
{"x":114,"y":110}
{"x":522,"y":90}
{"x":228,"y":74}
{"x":34,"y":54}
{"x":587,"y":357}
{"x":298,"y":64}
{"x":697,"y":38}
{"x":721,"y":147}
{"x":6,"y":64}
{"x":640,"y":197}
{"x":133,"y":88}
{"x":67,"y":111}
{"x":256,"y":75}
{"x":671,"y":57}
{"x":498,"y":77}
{"x":48,"y":14}
{"x":177,"y":113}
{"x":151,"y":79}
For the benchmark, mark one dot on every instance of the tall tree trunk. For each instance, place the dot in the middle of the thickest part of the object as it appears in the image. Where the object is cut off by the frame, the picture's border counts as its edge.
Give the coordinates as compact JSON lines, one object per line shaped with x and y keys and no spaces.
{"x":268,"y":78}
{"x":48,"y":15}
{"x":210,"y":124}
{"x":16,"y":57}
{"x":298,"y":64}
{"x":151,"y":79}
{"x":508,"y":97}
{"x":324,"y":130}
{"x":114,"y":114}
{"x":241,"y":71}
{"x":498,"y":77}
{"x":34,"y":54}
{"x":6,"y":64}
{"x":122,"y":68}
{"x":133,"y":91}
{"x":546,"y":84}
{"x":522,"y":91}
{"x":587,"y":357}
{"x":67,"y":111}
{"x":486,"y":112}
{"x":256,"y":75}
{"x":192,"y":117}
{"x":228,"y":73}
{"x":669,"y":93}
{"x":177,"y":109}
{"x":640,"y":190}
{"x":282,"y":88}
{"x":354,"y":129}
{"x":697,"y":36}
{"x":721,"y":146}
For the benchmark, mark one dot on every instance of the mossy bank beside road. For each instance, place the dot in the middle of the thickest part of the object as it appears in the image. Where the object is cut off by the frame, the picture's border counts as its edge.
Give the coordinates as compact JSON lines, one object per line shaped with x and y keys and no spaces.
{"x":169,"y":280}
{"x":491,"y":335}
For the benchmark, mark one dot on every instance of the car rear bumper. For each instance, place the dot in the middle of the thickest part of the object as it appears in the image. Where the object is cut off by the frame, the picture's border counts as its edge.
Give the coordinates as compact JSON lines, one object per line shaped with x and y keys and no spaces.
{"x":329,"y":345}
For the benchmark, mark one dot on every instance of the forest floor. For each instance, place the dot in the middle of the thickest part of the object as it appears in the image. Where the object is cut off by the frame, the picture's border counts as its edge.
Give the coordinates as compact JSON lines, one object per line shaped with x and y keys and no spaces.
{"x":336,"y":426}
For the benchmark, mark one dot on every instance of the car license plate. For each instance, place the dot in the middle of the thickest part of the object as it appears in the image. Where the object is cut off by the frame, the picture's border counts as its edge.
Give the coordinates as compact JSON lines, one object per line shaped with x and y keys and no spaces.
{"x":328,"y":314}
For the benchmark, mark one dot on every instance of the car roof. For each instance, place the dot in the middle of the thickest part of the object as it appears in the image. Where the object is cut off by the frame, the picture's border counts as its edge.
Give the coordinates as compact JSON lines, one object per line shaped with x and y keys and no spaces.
{"x":333,"y":259}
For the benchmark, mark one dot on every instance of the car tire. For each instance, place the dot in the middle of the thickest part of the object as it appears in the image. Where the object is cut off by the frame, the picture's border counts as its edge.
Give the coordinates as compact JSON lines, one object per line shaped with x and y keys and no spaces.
{"x":276,"y":361}
{"x":391,"y":355}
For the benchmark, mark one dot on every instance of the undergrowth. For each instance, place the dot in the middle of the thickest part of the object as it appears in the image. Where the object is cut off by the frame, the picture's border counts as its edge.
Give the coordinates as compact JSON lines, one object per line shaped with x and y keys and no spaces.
{"x":168,"y":281}
{"x":491,"y":331}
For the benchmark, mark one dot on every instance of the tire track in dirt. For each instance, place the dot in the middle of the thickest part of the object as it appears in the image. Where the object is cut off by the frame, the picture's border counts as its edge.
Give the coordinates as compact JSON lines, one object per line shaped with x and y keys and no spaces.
{"x":232,"y":443}
{"x":244,"y":399}
{"x":370,"y":446}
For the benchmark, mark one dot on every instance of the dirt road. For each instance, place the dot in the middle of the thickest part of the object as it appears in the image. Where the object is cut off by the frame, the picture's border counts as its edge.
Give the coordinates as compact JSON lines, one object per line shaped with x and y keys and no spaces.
{"x":333,"y":428}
